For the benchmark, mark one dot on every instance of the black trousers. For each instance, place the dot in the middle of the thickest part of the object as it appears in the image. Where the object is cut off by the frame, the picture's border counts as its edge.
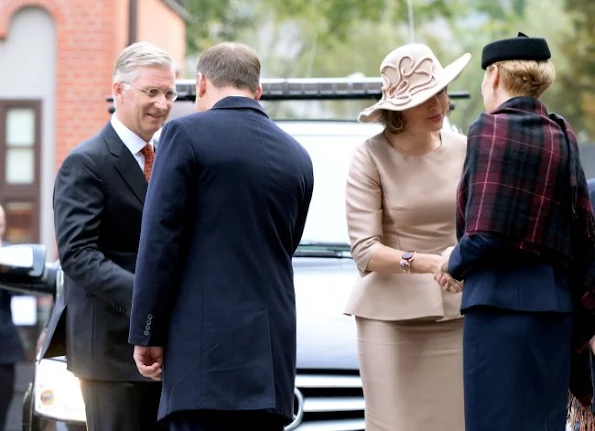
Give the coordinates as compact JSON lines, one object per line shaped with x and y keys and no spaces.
{"x":6,"y":391}
{"x":207,"y":420}
{"x":121,"y":406}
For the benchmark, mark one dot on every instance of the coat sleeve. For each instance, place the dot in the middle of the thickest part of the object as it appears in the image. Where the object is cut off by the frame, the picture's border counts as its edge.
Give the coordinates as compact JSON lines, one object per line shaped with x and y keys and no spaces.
{"x":363,"y":201}
{"x":304,"y":207}
{"x":79,"y":201}
{"x":162,"y":236}
{"x":475,"y":250}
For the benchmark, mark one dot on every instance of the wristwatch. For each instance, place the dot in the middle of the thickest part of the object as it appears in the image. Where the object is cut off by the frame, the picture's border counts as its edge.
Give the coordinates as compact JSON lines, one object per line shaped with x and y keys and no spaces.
{"x":406,"y":260}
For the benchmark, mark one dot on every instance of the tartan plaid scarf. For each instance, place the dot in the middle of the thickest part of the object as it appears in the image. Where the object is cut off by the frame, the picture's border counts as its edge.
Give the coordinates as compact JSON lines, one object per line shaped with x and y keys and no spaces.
{"x":523,"y":183}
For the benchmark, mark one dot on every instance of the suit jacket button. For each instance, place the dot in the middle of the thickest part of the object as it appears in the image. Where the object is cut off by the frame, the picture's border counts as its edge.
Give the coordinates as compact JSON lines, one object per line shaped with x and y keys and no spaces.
{"x":149,"y":316}
{"x":146,"y":333}
{"x":147,"y":327}
{"x":148,"y":322}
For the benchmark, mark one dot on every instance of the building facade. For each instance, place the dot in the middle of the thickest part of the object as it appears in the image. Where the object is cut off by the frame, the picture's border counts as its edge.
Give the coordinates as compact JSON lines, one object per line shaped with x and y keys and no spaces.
{"x":56,"y":60}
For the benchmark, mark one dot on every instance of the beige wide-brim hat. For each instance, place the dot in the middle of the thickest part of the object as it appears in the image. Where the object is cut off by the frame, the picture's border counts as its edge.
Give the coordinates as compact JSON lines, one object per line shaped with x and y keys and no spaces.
{"x":411,"y":75}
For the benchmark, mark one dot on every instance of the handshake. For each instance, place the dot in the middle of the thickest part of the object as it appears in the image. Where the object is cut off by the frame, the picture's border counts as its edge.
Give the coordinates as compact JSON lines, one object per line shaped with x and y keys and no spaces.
{"x":441,"y":275}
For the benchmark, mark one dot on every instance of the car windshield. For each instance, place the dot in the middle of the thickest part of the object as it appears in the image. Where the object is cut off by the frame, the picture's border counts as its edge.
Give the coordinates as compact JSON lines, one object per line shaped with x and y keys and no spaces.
{"x":330,"y":145}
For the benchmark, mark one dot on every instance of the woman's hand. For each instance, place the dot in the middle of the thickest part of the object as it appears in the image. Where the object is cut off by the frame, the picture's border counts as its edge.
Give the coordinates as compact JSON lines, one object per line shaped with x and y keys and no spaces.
{"x":448,"y":283}
{"x":446,"y":253}
{"x":446,"y":256}
{"x":425,"y":263}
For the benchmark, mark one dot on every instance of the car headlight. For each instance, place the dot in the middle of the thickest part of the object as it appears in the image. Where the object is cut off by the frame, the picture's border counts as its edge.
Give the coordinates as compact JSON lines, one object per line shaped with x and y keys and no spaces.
{"x":58,"y":392}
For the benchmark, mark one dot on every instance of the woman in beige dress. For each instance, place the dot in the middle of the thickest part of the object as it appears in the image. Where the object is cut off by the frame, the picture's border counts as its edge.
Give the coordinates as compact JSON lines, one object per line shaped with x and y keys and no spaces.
{"x":400,"y":197}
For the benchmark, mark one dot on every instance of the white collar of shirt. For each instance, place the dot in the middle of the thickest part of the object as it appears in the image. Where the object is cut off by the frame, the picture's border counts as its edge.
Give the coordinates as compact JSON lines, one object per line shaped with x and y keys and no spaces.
{"x":131,"y":140}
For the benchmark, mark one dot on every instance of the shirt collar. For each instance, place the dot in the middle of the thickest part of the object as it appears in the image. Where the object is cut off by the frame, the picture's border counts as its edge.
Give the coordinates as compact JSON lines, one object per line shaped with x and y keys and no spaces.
{"x":131,"y":140}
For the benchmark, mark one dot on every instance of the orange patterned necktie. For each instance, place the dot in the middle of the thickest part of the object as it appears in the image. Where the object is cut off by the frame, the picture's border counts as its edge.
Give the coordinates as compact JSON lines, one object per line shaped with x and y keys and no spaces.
{"x":149,"y":156}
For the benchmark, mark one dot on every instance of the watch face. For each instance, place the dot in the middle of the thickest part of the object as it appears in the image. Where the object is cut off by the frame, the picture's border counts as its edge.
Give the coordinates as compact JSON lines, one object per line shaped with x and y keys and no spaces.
{"x":408,"y":256}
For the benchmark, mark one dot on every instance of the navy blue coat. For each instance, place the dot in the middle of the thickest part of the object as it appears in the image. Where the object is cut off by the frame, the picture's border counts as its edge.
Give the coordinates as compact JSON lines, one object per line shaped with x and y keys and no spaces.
{"x":225,"y":211}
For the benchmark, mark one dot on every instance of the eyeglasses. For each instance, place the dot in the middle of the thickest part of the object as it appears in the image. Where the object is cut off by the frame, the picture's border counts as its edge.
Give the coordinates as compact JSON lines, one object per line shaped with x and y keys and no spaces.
{"x":170,"y":95}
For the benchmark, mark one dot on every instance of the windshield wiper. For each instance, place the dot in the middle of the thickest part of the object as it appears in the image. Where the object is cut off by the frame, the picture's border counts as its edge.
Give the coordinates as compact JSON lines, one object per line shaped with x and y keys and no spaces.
{"x":323,"y":249}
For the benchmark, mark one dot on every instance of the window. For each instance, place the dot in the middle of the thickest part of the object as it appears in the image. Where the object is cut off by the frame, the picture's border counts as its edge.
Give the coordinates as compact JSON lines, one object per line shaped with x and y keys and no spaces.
{"x":20,"y":149}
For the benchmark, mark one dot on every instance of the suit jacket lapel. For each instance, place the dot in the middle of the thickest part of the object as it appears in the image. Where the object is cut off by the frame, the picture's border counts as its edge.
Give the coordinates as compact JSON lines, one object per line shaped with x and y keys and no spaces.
{"x":126,"y":164}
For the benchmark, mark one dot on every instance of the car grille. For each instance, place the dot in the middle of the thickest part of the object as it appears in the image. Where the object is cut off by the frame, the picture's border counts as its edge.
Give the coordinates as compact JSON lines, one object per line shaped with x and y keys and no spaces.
{"x":332,"y":401}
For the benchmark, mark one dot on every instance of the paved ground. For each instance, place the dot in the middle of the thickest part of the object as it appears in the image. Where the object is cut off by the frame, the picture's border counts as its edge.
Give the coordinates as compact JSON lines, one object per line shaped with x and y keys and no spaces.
{"x":22,"y":380}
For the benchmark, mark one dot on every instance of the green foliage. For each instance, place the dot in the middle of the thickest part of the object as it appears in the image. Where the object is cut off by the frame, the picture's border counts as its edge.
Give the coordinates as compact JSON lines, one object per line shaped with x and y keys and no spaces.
{"x":328,"y":38}
{"x":497,"y":20}
{"x":216,"y":20}
{"x":578,"y":80}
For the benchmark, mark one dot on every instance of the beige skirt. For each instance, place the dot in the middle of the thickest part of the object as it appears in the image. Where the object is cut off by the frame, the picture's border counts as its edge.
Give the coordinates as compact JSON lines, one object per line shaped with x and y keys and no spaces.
{"x":412,"y":374}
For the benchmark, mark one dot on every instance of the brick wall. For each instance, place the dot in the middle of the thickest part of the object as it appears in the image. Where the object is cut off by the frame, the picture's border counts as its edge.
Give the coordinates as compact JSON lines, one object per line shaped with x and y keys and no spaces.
{"x":160,"y":25}
{"x":91,"y":33}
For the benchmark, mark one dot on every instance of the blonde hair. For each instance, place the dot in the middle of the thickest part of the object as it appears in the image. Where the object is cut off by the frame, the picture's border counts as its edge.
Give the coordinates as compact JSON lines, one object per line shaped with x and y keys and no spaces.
{"x":526,"y":77}
{"x":393,"y":121}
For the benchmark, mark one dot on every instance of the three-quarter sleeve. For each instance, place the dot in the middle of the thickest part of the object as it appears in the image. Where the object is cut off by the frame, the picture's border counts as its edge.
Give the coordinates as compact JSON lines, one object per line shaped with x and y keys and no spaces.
{"x":363,"y":200}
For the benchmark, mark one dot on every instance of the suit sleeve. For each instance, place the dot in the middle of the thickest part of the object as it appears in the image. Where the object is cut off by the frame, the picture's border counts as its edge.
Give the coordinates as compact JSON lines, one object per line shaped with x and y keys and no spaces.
{"x":363,"y":199}
{"x":79,"y":201}
{"x":162,"y":236}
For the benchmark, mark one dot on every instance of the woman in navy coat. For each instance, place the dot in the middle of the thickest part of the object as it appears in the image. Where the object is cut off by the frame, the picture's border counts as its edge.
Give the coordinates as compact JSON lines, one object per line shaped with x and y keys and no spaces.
{"x":523,"y":218}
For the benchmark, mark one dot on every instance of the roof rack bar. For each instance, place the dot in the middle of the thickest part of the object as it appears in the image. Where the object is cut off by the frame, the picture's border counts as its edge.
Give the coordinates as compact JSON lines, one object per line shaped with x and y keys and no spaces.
{"x":310,"y":89}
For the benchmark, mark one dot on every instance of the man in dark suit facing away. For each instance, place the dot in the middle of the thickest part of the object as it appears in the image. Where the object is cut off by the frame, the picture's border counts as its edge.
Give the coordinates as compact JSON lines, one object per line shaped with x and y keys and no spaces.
{"x":213,"y":309}
{"x":98,"y":201}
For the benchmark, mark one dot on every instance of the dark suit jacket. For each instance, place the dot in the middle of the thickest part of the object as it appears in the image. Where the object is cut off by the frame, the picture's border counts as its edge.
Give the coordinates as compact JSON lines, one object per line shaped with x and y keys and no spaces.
{"x":98,"y":202}
{"x":225,"y":212}
{"x":12,"y":348}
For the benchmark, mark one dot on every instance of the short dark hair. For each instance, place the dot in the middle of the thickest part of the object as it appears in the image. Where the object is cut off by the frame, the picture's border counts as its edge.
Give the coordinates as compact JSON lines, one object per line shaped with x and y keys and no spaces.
{"x":230,"y":64}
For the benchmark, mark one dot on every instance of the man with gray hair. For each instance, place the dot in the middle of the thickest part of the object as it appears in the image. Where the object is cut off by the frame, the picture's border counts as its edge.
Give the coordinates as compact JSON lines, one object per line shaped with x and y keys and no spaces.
{"x":213,"y":309}
{"x":98,"y":202}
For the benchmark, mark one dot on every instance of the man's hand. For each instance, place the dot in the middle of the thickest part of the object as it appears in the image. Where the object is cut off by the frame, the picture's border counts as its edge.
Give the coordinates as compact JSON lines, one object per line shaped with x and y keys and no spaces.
{"x":149,"y":361}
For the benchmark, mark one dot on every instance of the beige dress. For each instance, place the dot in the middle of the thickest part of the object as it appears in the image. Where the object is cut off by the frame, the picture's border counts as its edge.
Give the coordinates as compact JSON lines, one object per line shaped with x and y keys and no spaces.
{"x":409,"y":329}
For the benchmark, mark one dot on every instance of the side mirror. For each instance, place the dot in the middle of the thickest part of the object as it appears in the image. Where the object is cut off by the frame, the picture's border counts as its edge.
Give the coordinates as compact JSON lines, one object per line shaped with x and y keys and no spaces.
{"x":23,"y":269}
{"x":22,"y":262}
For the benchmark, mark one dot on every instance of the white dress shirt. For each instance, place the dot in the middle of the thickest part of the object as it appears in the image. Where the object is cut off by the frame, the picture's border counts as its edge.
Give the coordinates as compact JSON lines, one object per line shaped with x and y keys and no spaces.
{"x":131,"y":140}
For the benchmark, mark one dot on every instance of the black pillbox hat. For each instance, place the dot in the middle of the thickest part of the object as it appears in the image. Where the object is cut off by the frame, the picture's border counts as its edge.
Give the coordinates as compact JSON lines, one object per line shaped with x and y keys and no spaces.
{"x":521,"y":47}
